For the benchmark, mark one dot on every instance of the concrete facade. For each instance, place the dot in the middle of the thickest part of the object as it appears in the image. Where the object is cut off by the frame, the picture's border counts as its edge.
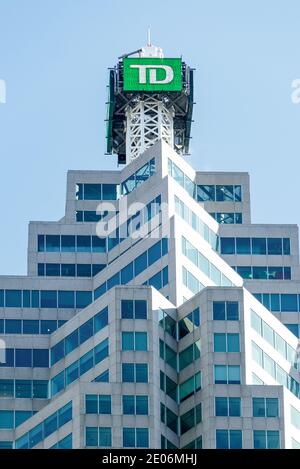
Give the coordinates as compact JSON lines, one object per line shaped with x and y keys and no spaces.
{"x":209,"y":338}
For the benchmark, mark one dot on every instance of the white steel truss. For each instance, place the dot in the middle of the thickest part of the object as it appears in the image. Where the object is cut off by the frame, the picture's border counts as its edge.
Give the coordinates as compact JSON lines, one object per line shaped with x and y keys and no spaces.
{"x":148,"y":120}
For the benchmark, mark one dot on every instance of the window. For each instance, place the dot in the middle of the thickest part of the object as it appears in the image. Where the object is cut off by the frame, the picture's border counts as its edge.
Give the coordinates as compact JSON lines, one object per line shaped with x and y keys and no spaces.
{"x":169,"y":418}
{"x":265,"y":407}
{"x":67,"y":243}
{"x":95,"y":404}
{"x":52,"y":243}
{"x":226,"y":310}
{"x":189,"y":355}
{"x":243,"y":246}
{"x":135,"y":372}
{"x":295,"y":417}
{"x":266,"y":439}
{"x":131,"y":309}
{"x":168,"y":386}
{"x":190,"y":419}
{"x":228,"y":406}
{"x":6,"y":419}
{"x":135,"y":341}
{"x":227,"y":374}
{"x":226,"y":342}
{"x":6,"y":388}
{"x":206,"y":193}
{"x":229,"y":439}
{"x":135,"y":405}
{"x":189,"y":387}
{"x":227,"y":245}
{"x":259,"y":246}
{"x":98,"y":437}
{"x":135,"y":437}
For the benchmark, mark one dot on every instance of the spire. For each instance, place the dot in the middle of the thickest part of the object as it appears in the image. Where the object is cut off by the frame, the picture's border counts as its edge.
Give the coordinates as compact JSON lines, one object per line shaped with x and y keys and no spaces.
{"x":149,"y":37}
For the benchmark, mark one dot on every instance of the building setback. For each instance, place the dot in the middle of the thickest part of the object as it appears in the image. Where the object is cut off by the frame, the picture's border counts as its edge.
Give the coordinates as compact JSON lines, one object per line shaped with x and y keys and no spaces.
{"x":178,"y":328}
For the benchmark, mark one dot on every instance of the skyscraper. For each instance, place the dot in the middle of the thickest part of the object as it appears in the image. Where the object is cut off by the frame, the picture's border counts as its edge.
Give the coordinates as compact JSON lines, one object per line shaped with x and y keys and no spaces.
{"x":154,"y":314}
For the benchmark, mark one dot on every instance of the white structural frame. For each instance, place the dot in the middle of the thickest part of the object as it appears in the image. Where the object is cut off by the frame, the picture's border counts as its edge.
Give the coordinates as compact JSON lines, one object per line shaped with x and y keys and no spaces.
{"x":147,"y":121}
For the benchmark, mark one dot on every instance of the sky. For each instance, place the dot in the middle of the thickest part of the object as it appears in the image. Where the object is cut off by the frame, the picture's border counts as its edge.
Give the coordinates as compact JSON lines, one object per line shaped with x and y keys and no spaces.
{"x":54,"y":56}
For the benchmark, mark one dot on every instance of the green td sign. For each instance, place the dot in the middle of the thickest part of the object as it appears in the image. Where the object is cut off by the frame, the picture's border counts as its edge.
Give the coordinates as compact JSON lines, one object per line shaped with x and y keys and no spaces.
{"x":152,"y":74}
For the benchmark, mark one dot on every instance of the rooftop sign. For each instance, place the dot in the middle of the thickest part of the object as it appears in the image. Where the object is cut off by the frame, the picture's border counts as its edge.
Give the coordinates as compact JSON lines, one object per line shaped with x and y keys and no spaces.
{"x":152,"y":74}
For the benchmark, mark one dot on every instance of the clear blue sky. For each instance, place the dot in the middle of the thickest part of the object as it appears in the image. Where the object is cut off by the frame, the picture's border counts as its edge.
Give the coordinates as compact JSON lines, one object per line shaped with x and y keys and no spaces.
{"x":54,"y":56}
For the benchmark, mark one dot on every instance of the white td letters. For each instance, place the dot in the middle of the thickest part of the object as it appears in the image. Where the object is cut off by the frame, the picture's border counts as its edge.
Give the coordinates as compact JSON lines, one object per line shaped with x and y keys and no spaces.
{"x":152,"y":74}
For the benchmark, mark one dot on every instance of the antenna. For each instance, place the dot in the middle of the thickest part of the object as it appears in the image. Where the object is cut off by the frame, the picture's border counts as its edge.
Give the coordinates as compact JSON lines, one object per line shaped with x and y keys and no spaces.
{"x":149,"y":36}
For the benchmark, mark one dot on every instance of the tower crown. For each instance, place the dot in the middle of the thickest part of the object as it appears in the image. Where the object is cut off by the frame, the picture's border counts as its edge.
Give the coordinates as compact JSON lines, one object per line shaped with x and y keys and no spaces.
{"x":150,"y":98}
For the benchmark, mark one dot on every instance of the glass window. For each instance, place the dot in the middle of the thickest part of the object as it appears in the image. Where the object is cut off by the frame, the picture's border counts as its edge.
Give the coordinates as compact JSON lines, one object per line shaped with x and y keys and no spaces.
{"x":67,"y":243}
{"x":268,"y":333}
{"x":41,"y":358}
{"x":105,"y":437}
{"x":101,"y":351}
{"x":41,"y":243}
{"x":72,"y":373}
{"x":13,"y":326}
{"x":205,"y":193}
{"x":98,"y":244}
{"x":53,"y":270}
{"x":154,"y":253}
{"x":233,"y":342}
{"x":274,"y":245}
{"x":83,"y":244}
{"x":21,"y":416}
{"x":220,"y":342}
{"x":140,"y":309}
{"x":224,"y":193}
{"x":6,"y":419}
{"x":245,"y":272}
{"x":83,"y":299}
{"x":84,"y":270}
{"x":219,"y":310}
{"x":13,"y":298}
{"x":222,"y":440}
{"x":221,"y":404}
{"x":232,"y":310}
{"x":104,"y":404}
{"x":234,"y":406}
{"x":66,"y":299}
{"x":235,"y":439}
{"x":227,"y":245}
{"x":127,"y":309}
{"x":259,"y":407}
{"x":31,"y":326}
{"x":286,"y":246}
{"x":57,"y":352}
{"x":260,"y":272}
{"x":294,"y":328}
{"x":86,"y":331}
{"x":234,"y":374}
{"x":243,"y":246}
{"x":128,"y":405}
{"x":91,"y":436}
{"x":128,"y":372}
{"x":65,"y":414}
{"x":92,"y":191}
{"x":48,"y":299}
{"x":52,"y":243}
{"x":40,"y":389}
{"x":48,"y":326}
{"x":6,"y":388}
{"x":128,"y":437}
{"x":141,"y":405}
{"x":127,"y":341}
{"x":91,"y":404}
{"x":141,"y":372}
{"x":178,"y":175}
{"x":259,"y":246}
{"x":141,"y":341}
{"x":101,"y":320}
{"x":220,"y":374}
{"x":23,"y":357}
{"x":289,"y":302}
{"x":24,"y":388}
{"x":109,"y":191}
{"x":50,"y":424}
